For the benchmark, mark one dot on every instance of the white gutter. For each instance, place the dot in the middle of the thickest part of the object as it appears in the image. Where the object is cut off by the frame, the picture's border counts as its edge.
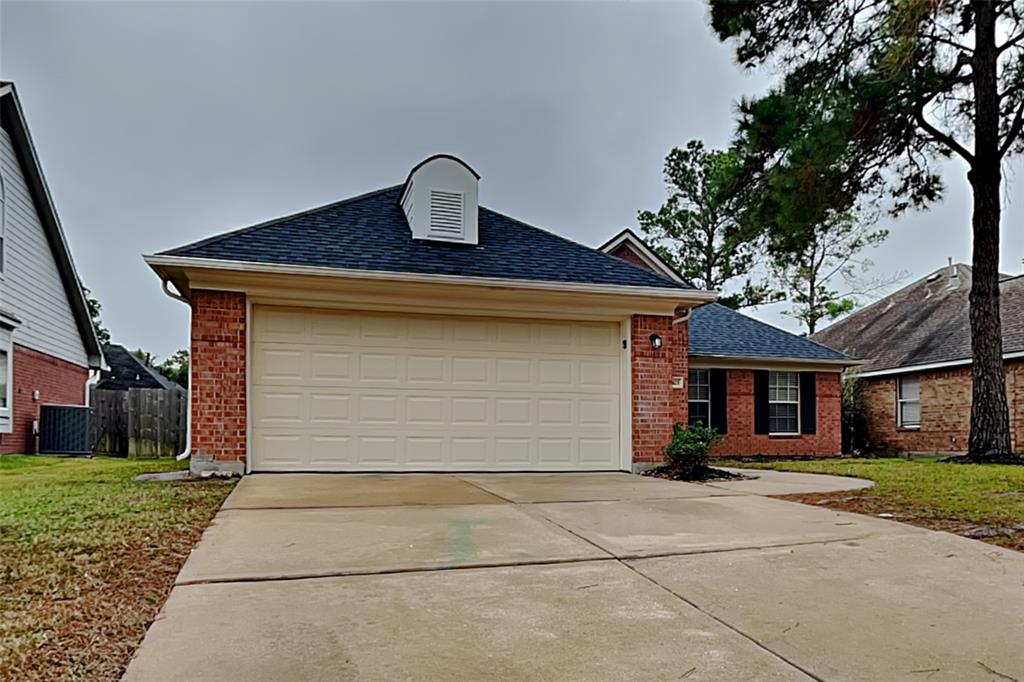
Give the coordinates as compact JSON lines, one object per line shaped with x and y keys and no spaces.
{"x":909,"y":369}
{"x":529,"y":284}
{"x":188,"y":416}
{"x":768,"y":360}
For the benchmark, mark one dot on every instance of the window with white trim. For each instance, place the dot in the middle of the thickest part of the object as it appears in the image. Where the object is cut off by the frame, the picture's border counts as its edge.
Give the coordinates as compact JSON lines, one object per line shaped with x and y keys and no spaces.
{"x":908,"y":402}
{"x":783,"y":403}
{"x":6,"y":380}
{"x":699,"y":396}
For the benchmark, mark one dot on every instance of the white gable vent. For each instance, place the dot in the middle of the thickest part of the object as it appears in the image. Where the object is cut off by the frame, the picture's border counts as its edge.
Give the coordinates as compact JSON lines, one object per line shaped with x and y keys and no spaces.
{"x":439,"y":200}
{"x":446,"y":214}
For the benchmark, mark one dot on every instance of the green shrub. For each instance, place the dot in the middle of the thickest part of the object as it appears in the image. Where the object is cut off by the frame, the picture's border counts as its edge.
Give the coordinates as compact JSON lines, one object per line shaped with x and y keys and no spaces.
{"x":687,"y":452}
{"x":855,"y":424}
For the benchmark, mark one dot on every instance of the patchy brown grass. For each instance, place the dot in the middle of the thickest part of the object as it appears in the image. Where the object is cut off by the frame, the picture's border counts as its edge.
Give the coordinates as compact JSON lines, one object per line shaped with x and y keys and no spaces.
{"x":866,"y":503}
{"x":967,"y":499}
{"x":87,"y":558}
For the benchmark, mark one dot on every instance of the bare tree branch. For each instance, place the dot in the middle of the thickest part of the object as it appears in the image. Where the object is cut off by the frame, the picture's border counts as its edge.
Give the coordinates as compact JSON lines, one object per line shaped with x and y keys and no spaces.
{"x":1014,"y":131}
{"x":1010,"y":43}
{"x":939,"y":136}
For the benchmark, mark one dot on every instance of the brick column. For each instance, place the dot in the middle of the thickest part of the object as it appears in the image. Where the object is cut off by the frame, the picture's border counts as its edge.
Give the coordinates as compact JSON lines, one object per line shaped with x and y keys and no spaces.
{"x":656,"y":405}
{"x":218,"y":381}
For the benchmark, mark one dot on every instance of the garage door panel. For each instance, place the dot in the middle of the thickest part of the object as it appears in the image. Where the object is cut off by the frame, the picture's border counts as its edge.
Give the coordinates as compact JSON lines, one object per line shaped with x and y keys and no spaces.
{"x":279,"y":407}
{"x":331,"y":452}
{"x":471,"y":371}
{"x":355,"y":409}
{"x":360,"y":391}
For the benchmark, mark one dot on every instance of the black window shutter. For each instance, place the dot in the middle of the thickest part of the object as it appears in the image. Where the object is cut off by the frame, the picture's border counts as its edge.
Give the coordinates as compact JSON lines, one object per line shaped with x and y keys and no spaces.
{"x":808,"y":402}
{"x":719,"y":417}
{"x":760,"y":401}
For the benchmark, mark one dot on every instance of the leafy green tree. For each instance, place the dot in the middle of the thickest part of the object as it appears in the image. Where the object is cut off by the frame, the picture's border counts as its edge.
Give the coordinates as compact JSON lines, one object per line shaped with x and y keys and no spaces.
{"x":824,"y":278}
{"x":872,"y":94}
{"x":698,"y":230}
{"x":175,"y":368}
{"x":95,"y":308}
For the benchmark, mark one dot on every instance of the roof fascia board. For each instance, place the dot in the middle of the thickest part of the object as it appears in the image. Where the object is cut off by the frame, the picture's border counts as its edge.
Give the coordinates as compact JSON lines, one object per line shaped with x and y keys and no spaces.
{"x":162,"y":264}
{"x":641,"y":249}
{"x":21,"y":138}
{"x":949,"y":364}
{"x":761,"y":362}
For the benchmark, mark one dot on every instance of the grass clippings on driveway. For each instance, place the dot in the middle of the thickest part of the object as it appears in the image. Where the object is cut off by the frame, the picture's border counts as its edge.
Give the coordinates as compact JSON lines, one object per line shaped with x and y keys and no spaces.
{"x":87,"y":558}
{"x":984,"y":501}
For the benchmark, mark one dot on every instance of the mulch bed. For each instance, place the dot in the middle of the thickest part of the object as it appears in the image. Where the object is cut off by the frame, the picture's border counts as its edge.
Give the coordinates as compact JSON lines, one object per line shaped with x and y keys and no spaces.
{"x":702,"y":474}
{"x":1010,"y":538}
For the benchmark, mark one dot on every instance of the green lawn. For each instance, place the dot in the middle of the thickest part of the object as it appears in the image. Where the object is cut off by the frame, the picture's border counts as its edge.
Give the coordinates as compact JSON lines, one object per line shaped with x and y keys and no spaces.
{"x":87,"y":557}
{"x":946,"y":496}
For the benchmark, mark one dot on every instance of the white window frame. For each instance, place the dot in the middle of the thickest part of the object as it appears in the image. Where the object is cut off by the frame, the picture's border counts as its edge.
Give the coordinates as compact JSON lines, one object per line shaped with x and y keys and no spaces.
{"x":693,"y":373}
{"x":901,"y":401}
{"x":7,"y":413}
{"x":772,"y":374}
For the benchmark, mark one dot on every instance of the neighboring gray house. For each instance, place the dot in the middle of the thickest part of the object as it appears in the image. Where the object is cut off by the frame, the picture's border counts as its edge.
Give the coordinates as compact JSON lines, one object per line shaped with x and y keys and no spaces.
{"x":47,"y":342}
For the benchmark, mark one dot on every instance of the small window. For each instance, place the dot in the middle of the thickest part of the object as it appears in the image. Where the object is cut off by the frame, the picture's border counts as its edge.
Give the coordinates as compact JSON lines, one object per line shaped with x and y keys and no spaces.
{"x":908,"y":402}
{"x":700,"y":397}
{"x":783,"y":403}
{"x":6,"y":381}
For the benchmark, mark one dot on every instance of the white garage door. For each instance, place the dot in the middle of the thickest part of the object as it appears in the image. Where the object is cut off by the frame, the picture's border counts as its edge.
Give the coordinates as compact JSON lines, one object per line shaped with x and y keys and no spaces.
{"x":355,"y":391}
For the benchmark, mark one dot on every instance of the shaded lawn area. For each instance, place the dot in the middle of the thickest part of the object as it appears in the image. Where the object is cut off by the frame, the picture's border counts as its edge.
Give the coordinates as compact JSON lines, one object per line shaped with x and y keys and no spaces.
{"x":959,"y":498}
{"x":87,"y":558}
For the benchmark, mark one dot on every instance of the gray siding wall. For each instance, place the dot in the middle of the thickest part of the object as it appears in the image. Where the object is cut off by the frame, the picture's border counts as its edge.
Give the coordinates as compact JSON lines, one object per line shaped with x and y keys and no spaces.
{"x":31,"y":286}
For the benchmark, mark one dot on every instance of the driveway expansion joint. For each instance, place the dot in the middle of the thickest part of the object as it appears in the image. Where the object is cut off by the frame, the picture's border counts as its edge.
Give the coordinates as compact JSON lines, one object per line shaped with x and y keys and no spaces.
{"x":316,"y":575}
{"x":624,"y":561}
{"x":753,"y":640}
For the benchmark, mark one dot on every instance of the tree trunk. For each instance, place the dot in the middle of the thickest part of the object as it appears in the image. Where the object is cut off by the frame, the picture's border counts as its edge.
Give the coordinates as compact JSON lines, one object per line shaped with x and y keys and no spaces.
{"x":990,"y":422}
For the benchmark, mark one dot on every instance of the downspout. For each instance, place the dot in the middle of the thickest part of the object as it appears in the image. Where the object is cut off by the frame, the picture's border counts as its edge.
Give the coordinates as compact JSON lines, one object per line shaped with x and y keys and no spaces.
{"x":679,"y":318}
{"x":188,"y":417}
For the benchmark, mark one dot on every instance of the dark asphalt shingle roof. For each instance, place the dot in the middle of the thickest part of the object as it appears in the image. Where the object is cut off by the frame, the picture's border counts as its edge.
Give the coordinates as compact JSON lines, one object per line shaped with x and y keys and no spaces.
{"x":925,"y":322}
{"x":716,"y":330}
{"x":370,"y":232}
{"x":127,"y":371}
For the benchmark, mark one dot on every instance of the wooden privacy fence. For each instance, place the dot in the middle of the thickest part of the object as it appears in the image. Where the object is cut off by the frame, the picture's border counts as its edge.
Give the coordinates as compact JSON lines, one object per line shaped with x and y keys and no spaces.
{"x":141,"y":422}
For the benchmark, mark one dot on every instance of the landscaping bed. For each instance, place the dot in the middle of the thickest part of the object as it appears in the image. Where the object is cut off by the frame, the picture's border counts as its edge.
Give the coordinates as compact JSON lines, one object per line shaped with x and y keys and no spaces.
{"x":980,"y":501}
{"x":673,"y":473}
{"x":87,"y":558}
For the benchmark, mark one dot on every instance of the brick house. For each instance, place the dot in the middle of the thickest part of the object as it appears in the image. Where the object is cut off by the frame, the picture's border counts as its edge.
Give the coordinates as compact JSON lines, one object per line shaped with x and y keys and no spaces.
{"x":48,"y":346}
{"x":916,"y":348}
{"x":410,"y":329}
{"x":768,"y":392}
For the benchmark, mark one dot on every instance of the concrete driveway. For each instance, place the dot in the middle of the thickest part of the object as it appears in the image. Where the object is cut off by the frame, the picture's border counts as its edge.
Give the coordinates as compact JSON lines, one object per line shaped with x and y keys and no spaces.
{"x":577,"y":577}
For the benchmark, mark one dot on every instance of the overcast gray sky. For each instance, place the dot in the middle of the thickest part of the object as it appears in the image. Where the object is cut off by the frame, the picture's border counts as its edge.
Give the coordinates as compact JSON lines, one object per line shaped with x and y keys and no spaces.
{"x":161,"y":123}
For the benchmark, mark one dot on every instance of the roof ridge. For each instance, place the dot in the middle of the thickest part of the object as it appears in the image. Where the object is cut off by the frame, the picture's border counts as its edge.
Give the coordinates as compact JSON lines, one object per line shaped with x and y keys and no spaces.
{"x":615,"y":259}
{"x":860,"y":311}
{"x":780,"y":329}
{"x":270,"y":223}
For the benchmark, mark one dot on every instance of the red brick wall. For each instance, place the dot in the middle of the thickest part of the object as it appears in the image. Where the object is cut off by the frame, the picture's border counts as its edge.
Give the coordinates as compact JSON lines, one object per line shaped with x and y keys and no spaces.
{"x":742,"y":441}
{"x":945,"y":411}
{"x":626,"y":253}
{"x":656,"y":405}
{"x":218,"y":375}
{"x":58,"y":382}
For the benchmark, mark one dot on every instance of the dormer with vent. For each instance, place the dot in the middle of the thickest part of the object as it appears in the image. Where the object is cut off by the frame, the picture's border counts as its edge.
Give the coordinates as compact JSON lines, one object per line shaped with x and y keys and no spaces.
{"x":440,"y":200}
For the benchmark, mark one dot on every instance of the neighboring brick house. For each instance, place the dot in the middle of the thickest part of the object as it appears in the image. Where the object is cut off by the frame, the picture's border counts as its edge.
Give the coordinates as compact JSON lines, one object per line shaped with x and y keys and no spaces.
{"x":47,"y":342}
{"x":916,"y":347}
{"x":410,"y":329}
{"x":768,"y":392}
